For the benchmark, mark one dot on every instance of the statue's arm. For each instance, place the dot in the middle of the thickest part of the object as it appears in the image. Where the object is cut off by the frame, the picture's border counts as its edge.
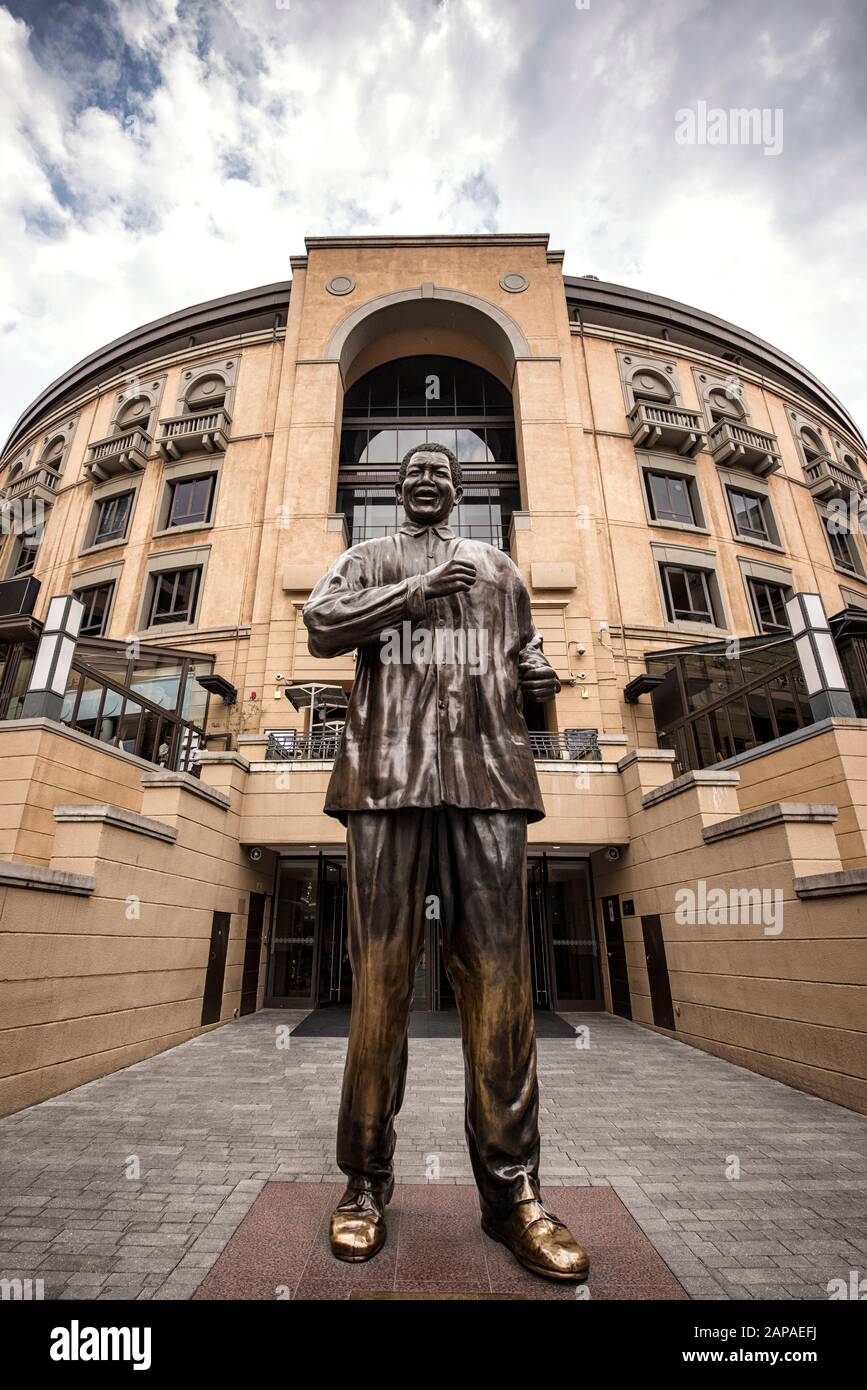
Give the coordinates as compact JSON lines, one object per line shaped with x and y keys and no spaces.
{"x":345,"y":611}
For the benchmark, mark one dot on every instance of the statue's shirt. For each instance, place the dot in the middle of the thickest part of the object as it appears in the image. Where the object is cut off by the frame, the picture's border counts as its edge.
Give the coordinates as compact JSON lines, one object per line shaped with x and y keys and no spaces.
{"x":434,"y":717}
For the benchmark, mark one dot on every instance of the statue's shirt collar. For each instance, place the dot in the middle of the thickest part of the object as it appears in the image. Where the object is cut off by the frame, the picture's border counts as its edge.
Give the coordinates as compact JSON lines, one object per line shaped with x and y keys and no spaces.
{"x":412,"y":528}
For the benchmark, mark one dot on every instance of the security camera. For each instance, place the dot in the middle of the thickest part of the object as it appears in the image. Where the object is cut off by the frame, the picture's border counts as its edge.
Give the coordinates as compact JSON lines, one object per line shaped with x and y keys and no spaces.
{"x":612,"y":853}
{"x":580,"y":648}
{"x":255,"y":854}
{"x":279,"y":676}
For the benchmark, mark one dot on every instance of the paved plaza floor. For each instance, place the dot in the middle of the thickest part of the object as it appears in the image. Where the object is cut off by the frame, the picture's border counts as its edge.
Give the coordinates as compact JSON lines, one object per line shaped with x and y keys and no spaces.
{"x":132,"y":1186}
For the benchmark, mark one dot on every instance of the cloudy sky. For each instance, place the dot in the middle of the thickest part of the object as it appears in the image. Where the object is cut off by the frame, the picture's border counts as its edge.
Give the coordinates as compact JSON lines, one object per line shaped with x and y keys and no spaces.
{"x":160,"y":152}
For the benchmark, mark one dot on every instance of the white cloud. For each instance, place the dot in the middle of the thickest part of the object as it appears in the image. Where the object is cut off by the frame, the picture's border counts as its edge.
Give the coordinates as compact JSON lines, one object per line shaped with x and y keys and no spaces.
{"x":237,"y":128}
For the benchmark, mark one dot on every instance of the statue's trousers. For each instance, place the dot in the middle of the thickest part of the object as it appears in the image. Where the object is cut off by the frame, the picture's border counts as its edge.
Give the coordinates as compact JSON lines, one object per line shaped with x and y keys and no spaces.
{"x":481,"y":901}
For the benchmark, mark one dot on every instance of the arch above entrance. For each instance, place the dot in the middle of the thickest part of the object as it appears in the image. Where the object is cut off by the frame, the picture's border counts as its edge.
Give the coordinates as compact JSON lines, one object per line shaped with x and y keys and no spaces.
{"x":423,"y":308}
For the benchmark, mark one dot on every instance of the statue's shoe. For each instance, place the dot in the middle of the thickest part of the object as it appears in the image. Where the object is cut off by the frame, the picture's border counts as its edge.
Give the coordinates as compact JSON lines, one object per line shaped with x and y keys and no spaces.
{"x":358,"y":1225}
{"x":540,"y":1242}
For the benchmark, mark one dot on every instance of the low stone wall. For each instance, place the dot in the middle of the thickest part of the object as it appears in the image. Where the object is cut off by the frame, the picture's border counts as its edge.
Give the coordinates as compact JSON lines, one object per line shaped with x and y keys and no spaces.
{"x":774,"y":982}
{"x":104,"y":948}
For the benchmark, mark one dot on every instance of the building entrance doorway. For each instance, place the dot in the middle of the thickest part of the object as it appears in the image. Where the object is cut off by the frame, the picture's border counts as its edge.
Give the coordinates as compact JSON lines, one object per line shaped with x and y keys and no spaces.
{"x":308,"y":950}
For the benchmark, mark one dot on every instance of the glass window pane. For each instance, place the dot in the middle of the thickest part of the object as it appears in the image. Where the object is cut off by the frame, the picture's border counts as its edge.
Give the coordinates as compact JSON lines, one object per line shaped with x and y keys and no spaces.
{"x":469,"y":390}
{"x":293,"y":937}
{"x":413,"y":385}
{"x":125,"y":728}
{"x":443,"y":436}
{"x":471,"y":446}
{"x":407,"y":439}
{"x":383,"y":390}
{"x":382,"y":447}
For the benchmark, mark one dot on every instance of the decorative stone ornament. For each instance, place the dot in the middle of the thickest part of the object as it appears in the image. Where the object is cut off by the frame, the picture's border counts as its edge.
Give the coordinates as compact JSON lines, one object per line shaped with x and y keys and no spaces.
{"x":514,"y":282}
{"x":340,"y":284}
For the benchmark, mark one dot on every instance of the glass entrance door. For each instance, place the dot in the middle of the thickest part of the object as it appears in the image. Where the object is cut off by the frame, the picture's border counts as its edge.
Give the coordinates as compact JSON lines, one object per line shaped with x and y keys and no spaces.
{"x":309,"y":956}
{"x":293,"y":939}
{"x":574,"y":946}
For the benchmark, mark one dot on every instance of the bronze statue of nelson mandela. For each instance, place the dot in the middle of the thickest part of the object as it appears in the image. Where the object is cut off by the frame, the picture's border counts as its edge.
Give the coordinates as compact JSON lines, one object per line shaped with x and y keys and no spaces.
{"x":435,"y":770}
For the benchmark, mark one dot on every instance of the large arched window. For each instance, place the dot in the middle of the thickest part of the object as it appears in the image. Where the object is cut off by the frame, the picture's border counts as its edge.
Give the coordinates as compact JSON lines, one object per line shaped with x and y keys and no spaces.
{"x":418,"y":400}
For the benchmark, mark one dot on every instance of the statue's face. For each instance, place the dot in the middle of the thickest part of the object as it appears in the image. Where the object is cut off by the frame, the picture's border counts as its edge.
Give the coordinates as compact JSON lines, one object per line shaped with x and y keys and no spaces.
{"x":427,"y":492}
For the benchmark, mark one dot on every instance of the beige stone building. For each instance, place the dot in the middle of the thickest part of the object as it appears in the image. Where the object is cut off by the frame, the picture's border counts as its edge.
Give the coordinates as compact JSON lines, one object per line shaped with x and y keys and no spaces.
{"x":667,"y":484}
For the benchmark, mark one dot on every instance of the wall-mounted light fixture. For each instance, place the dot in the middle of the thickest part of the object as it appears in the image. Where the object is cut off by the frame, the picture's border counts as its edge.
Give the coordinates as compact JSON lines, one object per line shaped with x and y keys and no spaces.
{"x":50,"y":673}
{"x":825,"y":683}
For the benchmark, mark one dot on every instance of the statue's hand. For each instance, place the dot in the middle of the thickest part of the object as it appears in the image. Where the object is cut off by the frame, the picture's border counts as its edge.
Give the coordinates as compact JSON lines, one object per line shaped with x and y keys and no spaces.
{"x":454,"y":577}
{"x":538,"y":682}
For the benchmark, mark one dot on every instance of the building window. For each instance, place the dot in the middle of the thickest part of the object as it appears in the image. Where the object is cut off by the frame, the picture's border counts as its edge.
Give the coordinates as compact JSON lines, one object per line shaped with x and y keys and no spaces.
{"x":769,"y":605}
{"x":53,"y":456}
{"x":28,"y":549}
{"x":751,"y":513}
{"x":190,"y":501}
{"x":428,"y":400}
{"x":688,"y":596}
{"x":842,"y":546}
{"x":723,"y":404}
{"x":112,"y":518}
{"x":670,"y":498}
{"x":134,"y":415}
{"x":174,"y":597}
{"x":812,"y":445}
{"x":96,"y":602}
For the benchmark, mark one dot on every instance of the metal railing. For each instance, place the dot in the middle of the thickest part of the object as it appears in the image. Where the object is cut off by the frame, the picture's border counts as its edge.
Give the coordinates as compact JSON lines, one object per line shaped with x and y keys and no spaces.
{"x":573,"y":745}
{"x":291,"y":747}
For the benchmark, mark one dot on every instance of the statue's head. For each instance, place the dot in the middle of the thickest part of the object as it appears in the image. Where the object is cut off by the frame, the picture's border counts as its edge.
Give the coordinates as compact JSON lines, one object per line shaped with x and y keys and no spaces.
{"x":429,"y":483}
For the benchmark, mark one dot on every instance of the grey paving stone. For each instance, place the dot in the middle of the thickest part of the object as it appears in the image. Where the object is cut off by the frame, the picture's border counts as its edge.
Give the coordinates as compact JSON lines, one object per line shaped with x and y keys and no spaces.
{"x":213,"y":1119}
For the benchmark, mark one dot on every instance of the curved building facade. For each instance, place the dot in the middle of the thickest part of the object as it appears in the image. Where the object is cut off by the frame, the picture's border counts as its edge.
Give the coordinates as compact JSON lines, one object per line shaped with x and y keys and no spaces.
{"x":685,"y":503}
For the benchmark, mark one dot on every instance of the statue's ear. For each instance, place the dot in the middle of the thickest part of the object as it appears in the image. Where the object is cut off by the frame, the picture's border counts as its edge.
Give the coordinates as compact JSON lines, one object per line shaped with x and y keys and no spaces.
{"x":459,"y":492}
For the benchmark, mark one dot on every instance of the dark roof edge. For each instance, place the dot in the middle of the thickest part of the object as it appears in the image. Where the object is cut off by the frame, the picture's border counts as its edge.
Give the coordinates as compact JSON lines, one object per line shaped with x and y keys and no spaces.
{"x":104,"y":363}
{"x":231,"y":309}
{"x":641,"y":304}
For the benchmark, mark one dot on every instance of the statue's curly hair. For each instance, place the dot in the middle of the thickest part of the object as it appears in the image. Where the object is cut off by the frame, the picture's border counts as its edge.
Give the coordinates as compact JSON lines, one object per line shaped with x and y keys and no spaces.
{"x":457,"y":476}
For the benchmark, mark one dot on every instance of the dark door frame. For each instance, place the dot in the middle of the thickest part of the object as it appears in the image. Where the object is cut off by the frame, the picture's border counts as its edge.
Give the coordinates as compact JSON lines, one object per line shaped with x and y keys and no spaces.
{"x":292,"y":1001}
{"x":616,"y":942}
{"x":558,"y":1004}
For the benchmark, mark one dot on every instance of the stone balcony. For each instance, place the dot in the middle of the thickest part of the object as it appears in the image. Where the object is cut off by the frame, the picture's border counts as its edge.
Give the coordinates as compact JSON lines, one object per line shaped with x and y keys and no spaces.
{"x":744,"y":446}
{"x":205,"y":432}
{"x":38,"y":485}
{"x":826,"y":478}
{"x":666,"y":427}
{"x":120,"y":453}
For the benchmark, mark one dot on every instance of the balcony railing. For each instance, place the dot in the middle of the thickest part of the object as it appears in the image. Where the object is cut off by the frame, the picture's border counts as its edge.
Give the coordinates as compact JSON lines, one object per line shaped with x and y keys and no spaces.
{"x":743,"y":445}
{"x":570,"y":746}
{"x":120,"y":453}
{"x":38,"y":482}
{"x":207,"y":431}
{"x":826,"y":478}
{"x":666,"y":427}
{"x":573,"y":745}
